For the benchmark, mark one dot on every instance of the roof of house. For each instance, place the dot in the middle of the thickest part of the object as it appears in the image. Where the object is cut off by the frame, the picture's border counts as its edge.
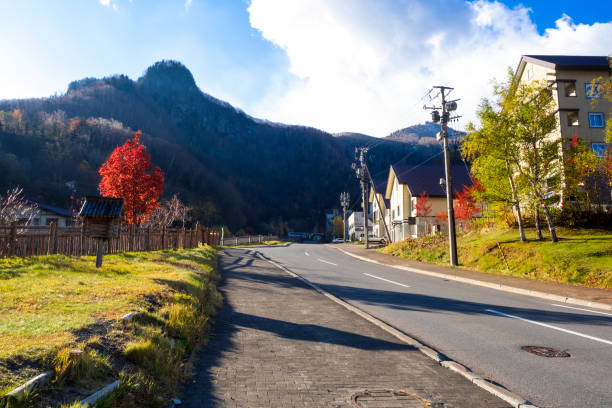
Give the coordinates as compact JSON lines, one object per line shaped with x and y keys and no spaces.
{"x":426,"y":179}
{"x":102,"y":207}
{"x":55,"y":210}
{"x":380,"y":186}
{"x":568,"y":62}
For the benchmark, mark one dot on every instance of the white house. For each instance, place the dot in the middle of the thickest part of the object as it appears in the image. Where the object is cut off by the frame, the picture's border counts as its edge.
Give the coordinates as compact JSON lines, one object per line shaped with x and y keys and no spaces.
{"x":45,"y":214}
{"x":355,"y":226}
{"x":406,"y":183}
{"x":380,"y":209}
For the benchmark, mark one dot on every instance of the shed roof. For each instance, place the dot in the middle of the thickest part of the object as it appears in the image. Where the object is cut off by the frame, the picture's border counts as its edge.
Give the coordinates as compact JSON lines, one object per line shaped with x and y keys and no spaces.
{"x":426,"y":179}
{"x":102,"y":207}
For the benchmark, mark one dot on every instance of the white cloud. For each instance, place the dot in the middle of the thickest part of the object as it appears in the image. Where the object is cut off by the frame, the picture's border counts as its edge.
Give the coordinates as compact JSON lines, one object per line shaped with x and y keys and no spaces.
{"x":364,"y":65}
{"x":111,"y":4}
{"x":187,"y":4}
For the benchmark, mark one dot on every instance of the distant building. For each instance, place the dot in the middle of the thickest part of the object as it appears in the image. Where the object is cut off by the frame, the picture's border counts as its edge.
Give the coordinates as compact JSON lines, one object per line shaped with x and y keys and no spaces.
{"x":48,"y":213}
{"x":406,"y":183}
{"x":329,"y":220}
{"x":355,"y":226}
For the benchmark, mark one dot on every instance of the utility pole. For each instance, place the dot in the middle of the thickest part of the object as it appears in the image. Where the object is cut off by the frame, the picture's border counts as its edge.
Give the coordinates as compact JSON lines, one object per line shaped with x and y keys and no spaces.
{"x":344,"y":201}
{"x":447,"y":106}
{"x":360,"y":169}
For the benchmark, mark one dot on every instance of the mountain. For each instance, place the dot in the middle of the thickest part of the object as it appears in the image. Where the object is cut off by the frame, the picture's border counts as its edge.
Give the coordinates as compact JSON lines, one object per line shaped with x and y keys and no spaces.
{"x":234,"y":169}
{"x":424,"y":134}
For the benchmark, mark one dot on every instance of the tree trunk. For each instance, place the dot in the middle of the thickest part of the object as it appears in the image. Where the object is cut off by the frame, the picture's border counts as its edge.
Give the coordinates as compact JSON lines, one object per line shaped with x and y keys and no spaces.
{"x":551,"y":225}
{"x":516,"y":204}
{"x":537,"y":222}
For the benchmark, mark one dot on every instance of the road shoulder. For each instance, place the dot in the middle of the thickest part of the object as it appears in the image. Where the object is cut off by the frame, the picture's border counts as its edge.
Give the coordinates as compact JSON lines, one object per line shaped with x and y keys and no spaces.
{"x":559,"y":292}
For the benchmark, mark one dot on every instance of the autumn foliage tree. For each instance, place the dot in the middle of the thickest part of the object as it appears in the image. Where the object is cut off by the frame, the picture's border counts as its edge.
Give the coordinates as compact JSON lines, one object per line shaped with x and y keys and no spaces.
{"x":465,"y":204}
{"x":129,"y":174}
{"x":423,"y":206}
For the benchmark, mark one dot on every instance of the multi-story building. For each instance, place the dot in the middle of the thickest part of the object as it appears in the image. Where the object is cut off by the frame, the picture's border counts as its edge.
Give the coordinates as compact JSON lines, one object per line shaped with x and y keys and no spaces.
{"x":581,"y":110}
{"x":570,"y":79}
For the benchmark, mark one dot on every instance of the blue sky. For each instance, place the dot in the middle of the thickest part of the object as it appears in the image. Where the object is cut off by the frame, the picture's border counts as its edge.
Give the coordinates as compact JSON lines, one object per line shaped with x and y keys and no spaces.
{"x":340,"y":65}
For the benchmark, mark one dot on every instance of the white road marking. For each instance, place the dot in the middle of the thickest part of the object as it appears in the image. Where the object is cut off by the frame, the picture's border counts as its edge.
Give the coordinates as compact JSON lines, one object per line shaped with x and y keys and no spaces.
{"x":386,"y":280}
{"x":551,"y":327}
{"x":586,"y":310}
{"x":327,"y":262}
{"x":307,"y":254}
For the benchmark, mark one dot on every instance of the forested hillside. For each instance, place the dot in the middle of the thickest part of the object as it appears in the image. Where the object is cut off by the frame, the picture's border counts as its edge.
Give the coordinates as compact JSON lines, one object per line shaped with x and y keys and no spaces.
{"x":232,"y":168}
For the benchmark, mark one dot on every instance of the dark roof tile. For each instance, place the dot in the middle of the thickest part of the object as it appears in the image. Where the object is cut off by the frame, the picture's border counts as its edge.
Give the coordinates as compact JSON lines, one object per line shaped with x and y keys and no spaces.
{"x":102,"y":207}
{"x":421,"y":179}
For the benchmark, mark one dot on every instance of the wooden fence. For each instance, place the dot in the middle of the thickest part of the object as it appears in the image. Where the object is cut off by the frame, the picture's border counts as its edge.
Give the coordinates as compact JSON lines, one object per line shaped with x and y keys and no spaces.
{"x":23,"y":241}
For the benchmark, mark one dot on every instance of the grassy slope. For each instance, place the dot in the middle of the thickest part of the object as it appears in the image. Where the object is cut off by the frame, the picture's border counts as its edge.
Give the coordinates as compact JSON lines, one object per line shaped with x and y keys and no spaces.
{"x":582,"y":256}
{"x":51,"y":302}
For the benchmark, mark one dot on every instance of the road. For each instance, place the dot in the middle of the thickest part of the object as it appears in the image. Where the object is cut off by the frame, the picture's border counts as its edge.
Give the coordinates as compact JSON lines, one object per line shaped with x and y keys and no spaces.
{"x":479,"y":327}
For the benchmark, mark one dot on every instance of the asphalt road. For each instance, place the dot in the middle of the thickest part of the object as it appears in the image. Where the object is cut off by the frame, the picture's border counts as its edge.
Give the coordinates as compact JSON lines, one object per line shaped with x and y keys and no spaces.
{"x":479,"y":327}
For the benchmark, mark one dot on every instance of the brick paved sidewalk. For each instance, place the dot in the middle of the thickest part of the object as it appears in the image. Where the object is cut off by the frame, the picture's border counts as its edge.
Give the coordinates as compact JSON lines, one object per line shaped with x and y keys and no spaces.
{"x":557,"y":288}
{"x":278,"y":343}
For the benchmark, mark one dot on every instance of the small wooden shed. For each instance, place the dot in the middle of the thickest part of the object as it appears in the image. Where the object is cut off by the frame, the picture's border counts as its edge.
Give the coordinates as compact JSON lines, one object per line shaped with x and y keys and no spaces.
{"x":102,"y":218}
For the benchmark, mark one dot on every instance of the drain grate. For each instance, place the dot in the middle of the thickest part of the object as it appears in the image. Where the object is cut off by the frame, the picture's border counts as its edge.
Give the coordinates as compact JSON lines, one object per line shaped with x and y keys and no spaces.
{"x":390,"y":398}
{"x":545,"y":351}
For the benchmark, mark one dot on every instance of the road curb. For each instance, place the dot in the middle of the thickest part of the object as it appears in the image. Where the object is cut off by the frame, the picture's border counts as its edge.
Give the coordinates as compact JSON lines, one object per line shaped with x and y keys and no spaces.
{"x":496,"y":286}
{"x":511,"y":398}
{"x":31,"y":385}
{"x":96,"y":396}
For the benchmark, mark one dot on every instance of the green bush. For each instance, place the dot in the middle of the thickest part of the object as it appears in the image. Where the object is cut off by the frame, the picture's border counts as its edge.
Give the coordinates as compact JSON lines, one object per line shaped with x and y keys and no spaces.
{"x":80,"y":369}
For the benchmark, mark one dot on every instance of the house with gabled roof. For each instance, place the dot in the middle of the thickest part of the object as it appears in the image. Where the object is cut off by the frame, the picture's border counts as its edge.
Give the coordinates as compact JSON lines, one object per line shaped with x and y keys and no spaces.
{"x":406,"y":183}
{"x":380,"y":208}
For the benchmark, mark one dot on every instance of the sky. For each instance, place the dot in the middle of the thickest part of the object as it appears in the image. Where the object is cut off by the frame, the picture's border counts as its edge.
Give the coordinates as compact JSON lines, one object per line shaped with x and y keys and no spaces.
{"x":338,"y":65}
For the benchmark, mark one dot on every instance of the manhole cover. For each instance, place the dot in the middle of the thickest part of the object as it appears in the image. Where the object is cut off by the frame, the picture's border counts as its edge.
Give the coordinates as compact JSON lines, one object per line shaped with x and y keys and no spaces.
{"x":545,"y":351}
{"x":391,"y":399}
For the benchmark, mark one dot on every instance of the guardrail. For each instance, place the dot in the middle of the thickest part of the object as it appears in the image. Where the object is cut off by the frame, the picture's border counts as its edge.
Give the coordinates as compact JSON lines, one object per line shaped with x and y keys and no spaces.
{"x":247,"y":239}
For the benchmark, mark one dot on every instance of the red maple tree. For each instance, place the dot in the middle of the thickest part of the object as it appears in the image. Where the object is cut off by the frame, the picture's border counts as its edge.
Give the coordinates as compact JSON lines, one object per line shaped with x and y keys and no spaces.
{"x":129,"y":174}
{"x":465,"y":203}
{"x":422,"y":206}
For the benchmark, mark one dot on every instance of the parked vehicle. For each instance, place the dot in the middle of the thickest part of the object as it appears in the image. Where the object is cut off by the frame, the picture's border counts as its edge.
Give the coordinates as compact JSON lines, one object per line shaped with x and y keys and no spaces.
{"x":337,"y":240}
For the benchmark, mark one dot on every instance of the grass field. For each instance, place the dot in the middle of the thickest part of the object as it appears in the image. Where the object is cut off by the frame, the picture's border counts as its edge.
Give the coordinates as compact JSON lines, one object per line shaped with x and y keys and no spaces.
{"x":53,"y":303}
{"x":264,"y":243}
{"x":582,"y":256}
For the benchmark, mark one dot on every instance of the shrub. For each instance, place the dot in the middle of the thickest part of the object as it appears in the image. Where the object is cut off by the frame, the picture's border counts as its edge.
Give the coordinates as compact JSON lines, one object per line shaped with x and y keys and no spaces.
{"x":184,"y":322}
{"x":81,"y":368}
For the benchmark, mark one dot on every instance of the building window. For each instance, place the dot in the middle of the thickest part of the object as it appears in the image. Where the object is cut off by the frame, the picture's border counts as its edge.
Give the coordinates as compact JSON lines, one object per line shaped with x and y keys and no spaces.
{"x":599,"y":149}
{"x":49,"y":220}
{"x":529,"y":73}
{"x":572,"y":118}
{"x":592,"y":91}
{"x":596,"y":119}
{"x":570,"y":89}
